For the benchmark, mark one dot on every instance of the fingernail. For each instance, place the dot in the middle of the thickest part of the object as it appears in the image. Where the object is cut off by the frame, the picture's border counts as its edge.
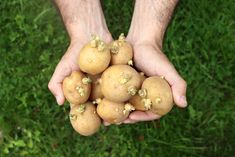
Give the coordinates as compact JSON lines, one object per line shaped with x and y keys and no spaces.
{"x":106,"y":123}
{"x":58,"y":100}
{"x":183,"y":101}
{"x":118,"y":123}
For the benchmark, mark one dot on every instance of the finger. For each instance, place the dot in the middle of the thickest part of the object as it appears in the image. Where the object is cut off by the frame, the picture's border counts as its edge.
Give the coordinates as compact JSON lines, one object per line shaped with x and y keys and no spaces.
{"x":178,"y":86}
{"x":179,"y":93}
{"x":106,"y":123}
{"x":177,"y":83}
{"x":118,"y":123}
{"x":72,"y":105}
{"x":143,"y":116}
{"x":129,"y":121}
{"x":55,"y":84}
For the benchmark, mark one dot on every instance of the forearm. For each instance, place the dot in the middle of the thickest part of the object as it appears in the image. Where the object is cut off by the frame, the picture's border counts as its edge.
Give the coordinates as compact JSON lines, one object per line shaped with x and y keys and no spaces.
{"x":82,"y":17}
{"x":151,"y":17}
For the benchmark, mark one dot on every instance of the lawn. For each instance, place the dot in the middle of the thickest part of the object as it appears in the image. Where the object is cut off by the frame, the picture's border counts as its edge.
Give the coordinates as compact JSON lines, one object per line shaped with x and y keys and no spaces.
{"x":200,"y":42}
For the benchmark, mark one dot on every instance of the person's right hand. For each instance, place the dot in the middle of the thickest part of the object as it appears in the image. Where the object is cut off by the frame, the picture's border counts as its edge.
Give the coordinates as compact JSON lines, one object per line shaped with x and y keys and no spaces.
{"x":81,"y":19}
{"x":67,"y":64}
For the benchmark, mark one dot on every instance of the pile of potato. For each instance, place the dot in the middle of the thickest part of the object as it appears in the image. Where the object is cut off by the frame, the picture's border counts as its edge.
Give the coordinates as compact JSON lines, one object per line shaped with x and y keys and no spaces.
{"x":109,"y":88}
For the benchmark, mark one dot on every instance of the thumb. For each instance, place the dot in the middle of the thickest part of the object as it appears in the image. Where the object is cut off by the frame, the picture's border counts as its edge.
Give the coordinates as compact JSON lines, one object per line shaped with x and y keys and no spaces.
{"x":179,"y":93}
{"x":178,"y":86}
{"x":55,"y":84}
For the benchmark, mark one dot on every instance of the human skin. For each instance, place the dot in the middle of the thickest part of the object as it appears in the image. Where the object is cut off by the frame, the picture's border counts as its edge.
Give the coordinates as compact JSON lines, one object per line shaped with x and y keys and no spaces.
{"x":81,"y":19}
{"x":149,"y":22}
{"x":151,"y":18}
{"x":146,"y":33}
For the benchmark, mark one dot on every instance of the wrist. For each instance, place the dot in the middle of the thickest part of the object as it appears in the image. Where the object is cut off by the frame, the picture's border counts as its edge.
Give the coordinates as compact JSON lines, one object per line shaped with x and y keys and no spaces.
{"x":150,"y":20}
{"x":138,"y":35}
{"x":144,"y":26}
{"x":83,"y":18}
{"x":81,"y":36}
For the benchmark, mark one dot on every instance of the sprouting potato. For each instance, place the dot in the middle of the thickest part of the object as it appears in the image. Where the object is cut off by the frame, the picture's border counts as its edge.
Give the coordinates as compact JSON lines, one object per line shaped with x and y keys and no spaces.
{"x":158,"y":95}
{"x":94,"y":57}
{"x":95,"y":87}
{"x":120,"y":82}
{"x":77,"y":88}
{"x":121,"y":51}
{"x":113,"y":112}
{"x":138,"y":100}
{"x":115,"y":90}
{"x":140,"y":103}
{"x":142,"y":77}
{"x":84,"y":119}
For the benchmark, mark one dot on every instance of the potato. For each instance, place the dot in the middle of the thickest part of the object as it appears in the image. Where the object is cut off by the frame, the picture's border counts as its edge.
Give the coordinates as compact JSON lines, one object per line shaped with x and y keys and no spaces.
{"x":71,"y":105}
{"x":76,"y":88}
{"x":121,"y":51}
{"x":84,"y":119}
{"x":94,"y":57}
{"x":142,"y":77}
{"x":95,"y":87}
{"x":159,"y":95}
{"x":139,"y":103}
{"x":113,"y":112}
{"x":120,"y":82}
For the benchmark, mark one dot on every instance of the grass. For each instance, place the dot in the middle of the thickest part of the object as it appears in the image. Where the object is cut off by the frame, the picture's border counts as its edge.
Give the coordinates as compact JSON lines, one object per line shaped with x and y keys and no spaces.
{"x":200,"y":42}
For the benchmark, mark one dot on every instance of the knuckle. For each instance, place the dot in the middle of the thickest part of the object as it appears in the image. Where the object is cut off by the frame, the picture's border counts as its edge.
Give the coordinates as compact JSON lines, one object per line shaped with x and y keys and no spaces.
{"x":108,"y":37}
{"x":67,"y":69}
{"x":62,"y":67}
{"x":50,"y":86}
{"x":184,"y":83}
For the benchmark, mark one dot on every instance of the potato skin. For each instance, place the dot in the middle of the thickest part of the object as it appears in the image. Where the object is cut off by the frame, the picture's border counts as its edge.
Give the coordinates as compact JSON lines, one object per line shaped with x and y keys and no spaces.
{"x":160,"y":94}
{"x":92,"y":61}
{"x":137,"y":102}
{"x":117,"y":80}
{"x":86,"y":123}
{"x":70,"y":88}
{"x":124,"y":52}
{"x":142,"y":77}
{"x":111,"y":111}
{"x":95,"y":87}
{"x":71,"y":105}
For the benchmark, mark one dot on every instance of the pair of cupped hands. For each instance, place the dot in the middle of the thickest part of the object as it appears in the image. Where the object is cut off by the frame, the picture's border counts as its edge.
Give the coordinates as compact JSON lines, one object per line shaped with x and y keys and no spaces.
{"x":148,"y":58}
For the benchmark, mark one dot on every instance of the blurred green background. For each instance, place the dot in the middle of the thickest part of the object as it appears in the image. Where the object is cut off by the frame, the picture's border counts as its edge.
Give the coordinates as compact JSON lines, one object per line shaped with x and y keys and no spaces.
{"x":200,"y":42}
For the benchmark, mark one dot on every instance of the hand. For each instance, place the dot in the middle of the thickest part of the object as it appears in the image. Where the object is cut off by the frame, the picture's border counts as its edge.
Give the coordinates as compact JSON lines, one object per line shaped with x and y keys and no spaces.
{"x":149,"y":58}
{"x":81,"y":19}
{"x":67,"y":64}
{"x":149,"y":22}
{"x":64,"y":68}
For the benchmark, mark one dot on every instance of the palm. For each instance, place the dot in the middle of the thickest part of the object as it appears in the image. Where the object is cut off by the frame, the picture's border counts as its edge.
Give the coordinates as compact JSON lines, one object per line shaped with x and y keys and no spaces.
{"x":70,"y":57}
{"x":149,"y":59}
{"x":64,"y":68}
{"x":67,"y":64}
